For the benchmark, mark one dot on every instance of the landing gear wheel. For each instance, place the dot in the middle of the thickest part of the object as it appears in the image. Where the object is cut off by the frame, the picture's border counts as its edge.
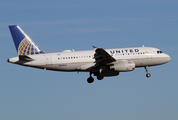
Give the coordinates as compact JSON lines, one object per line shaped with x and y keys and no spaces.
{"x":148,"y":75}
{"x":90,"y":80}
{"x":100,"y":77}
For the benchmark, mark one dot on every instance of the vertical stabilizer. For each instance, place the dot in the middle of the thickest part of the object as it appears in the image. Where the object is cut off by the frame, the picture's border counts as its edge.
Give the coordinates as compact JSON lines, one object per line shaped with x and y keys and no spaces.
{"x":23,"y":43}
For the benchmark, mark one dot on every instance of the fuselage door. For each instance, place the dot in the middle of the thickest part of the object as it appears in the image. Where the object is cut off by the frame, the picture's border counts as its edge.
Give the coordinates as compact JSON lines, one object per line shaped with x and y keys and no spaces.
{"x":148,"y":52}
{"x":48,"y":59}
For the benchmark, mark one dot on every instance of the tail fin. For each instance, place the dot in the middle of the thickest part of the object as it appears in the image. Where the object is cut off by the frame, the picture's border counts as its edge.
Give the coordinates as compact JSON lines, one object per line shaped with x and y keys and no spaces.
{"x":23,"y":43}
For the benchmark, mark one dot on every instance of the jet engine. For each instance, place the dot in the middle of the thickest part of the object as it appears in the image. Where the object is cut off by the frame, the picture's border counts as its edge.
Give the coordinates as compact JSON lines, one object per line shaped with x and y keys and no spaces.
{"x":123,"y":66}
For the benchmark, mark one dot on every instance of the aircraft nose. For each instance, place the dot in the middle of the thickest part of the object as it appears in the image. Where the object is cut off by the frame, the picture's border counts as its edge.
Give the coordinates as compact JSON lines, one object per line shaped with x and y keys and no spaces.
{"x":168,"y":58}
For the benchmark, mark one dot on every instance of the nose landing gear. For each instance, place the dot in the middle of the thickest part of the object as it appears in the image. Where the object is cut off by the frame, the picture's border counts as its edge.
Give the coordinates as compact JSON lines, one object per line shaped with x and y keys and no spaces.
{"x":148,"y":74}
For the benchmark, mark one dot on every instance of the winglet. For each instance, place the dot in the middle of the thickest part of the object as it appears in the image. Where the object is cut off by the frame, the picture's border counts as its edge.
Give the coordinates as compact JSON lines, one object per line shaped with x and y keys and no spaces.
{"x":94,"y":47}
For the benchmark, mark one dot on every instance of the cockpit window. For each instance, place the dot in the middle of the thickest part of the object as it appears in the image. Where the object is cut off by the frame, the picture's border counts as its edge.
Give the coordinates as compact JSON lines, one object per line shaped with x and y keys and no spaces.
{"x":159,"y":52}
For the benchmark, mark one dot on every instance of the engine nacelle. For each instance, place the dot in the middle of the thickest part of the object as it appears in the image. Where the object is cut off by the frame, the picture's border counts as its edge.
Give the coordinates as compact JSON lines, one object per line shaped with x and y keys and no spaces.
{"x":123,"y":66}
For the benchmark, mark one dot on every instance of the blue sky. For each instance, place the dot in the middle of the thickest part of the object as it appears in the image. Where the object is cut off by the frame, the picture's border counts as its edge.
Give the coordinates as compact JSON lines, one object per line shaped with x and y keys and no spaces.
{"x":55,"y":25}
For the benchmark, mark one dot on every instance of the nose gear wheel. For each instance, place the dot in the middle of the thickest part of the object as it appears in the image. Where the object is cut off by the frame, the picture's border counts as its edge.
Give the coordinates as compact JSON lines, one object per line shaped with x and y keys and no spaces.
{"x":148,"y":74}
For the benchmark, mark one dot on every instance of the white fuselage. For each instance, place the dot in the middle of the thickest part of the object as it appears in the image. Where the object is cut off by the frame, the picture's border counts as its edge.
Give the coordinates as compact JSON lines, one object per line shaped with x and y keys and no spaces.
{"x":99,"y":62}
{"x":82,"y":60}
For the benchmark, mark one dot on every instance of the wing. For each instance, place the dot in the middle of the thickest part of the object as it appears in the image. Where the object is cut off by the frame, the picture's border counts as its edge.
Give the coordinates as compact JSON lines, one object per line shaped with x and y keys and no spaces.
{"x":102,"y":57}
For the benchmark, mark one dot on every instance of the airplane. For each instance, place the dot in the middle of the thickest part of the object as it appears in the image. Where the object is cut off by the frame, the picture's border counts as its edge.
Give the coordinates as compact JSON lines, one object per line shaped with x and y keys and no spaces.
{"x":99,"y":62}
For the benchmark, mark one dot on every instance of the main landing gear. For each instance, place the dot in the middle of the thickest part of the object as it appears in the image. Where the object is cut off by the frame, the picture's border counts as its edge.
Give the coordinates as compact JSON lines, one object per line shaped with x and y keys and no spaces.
{"x":148,"y":74}
{"x":91,"y":79}
{"x":100,"y":77}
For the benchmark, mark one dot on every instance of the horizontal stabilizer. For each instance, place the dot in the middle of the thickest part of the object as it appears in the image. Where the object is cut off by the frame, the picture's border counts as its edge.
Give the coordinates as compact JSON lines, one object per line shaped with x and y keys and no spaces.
{"x":25,"y":58}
